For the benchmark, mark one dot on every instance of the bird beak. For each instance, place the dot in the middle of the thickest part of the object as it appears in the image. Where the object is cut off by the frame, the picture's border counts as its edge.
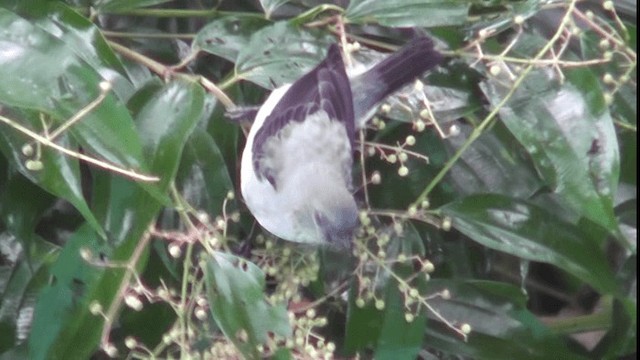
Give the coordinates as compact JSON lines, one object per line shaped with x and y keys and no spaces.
{"x":337,"y":229}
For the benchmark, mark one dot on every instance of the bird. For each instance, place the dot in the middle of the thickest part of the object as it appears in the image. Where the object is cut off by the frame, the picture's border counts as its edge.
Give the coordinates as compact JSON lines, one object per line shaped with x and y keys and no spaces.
{"x":295,"y":173}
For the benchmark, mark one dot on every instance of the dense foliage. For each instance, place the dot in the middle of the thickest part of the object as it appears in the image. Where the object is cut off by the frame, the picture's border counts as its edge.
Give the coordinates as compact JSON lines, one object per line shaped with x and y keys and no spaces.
{"x":498,"y":193}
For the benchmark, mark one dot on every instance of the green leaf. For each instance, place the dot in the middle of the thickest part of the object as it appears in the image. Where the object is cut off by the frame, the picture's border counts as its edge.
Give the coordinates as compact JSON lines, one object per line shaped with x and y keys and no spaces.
{"x":399,"y":338}
{"x":123,"y":5}
{"x":281,"y":53}
{"x":60,"y":301}
{"x":63,"y":87}
{"x":622,"y":339}
{"x":160,"y":314}
{"x":22,"y":204}
{"x":269,"y":6}
{"x":487,"y":167}
{"x":387,"y":330}
{"x":17,"y":352}
{"x":569,"y":134}
{"x":501,"y":325}
{"x":83,"y":37}
{"x":225,"y":134}
{"x":521,"y":229}
{"x":408,"y":13}
{"x":30,"y":78}
{"x":228,"y":36}
{"x":496,"y":16}
{"x":86,"y":41}
{"x":67,"y":57}
{"x":21,"y":277}
{"x":203,"y":177}
{"x":629,"y":157}
{"x":166,"y":120}
{"x":235,"y":288}
{"x":59,"y":176}
{"x":363,"y":324}
{"x":282,"y":354}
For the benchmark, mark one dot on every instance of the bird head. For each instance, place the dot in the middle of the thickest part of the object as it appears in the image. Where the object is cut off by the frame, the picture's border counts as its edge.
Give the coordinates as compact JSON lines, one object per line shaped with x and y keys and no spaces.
{"x":326,"y":211}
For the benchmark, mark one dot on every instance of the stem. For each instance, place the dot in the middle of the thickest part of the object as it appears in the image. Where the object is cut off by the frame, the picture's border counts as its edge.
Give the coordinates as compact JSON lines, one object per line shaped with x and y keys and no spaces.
{"x":183,"y":313}
{"x":128,"y":35}
{"x":99,"y":163}
{"x":79,"y":115}
{"x":162,"y":13}
{"x":319,"y":301}
{"x":153,"y":65}
{"x":217,"y":92}
{"x":164,"y":70}
{"x":625,"y":125}
{"x":579,"y":324}
{"x":361,"y":142}
{"x":124,"y":284}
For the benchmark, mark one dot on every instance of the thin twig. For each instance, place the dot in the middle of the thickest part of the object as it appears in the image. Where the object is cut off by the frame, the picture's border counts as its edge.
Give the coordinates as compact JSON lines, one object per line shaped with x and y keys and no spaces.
{"x":104,"y":91}
{"x":99,"y":163}
{"x":115,"y":305}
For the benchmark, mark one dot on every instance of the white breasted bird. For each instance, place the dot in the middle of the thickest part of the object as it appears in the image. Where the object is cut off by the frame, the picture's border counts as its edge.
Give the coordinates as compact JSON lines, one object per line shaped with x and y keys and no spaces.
{"x":296,"y":165}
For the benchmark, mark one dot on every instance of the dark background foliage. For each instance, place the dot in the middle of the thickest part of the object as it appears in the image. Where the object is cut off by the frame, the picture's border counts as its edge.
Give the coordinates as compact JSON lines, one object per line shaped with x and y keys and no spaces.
{"x":498,"y":194}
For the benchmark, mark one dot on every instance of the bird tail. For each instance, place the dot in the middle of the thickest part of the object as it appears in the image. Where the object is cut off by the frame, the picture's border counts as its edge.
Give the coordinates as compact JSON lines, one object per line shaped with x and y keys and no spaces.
{"x":394,"y":72}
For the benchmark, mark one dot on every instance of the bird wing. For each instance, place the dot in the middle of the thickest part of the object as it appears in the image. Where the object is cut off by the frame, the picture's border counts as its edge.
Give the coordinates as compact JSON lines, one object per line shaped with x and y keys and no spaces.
{"x":325,"y":89}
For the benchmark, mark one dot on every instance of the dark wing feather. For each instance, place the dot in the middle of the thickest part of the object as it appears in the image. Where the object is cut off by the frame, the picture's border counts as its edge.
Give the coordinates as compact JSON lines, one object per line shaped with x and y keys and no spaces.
{"x":394,"y":72}
{"x":326,"y":88}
